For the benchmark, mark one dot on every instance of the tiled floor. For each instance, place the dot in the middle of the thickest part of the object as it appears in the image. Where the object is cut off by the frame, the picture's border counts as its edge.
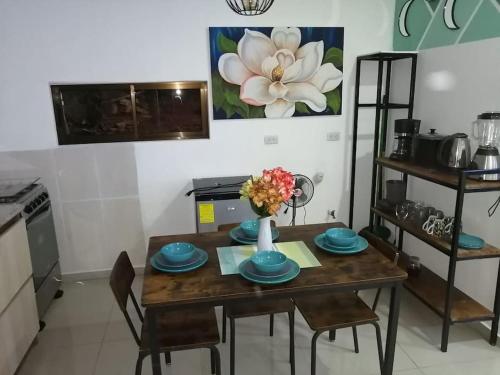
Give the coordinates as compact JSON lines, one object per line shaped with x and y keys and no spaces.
{"x":86,"y":334}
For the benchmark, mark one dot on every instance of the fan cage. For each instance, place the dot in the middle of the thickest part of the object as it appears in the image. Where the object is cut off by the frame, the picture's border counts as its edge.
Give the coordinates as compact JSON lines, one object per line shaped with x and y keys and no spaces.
{"x":250,"y":7}
{"x":307,"y":181}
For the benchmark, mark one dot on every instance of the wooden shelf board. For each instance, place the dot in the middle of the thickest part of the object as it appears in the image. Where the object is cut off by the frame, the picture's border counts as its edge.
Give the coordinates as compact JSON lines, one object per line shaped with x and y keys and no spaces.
{"x":488,"y":251}
{"x":431,"y":290}
{"x":438,"y":176}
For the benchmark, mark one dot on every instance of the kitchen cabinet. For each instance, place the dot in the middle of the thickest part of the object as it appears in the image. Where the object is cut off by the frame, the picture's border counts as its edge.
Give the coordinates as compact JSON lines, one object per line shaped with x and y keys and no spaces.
{"x":18,"y":313}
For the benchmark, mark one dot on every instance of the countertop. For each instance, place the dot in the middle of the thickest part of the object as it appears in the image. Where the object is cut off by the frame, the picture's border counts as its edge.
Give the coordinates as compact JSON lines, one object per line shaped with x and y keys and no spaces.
{"x":8,"y":214}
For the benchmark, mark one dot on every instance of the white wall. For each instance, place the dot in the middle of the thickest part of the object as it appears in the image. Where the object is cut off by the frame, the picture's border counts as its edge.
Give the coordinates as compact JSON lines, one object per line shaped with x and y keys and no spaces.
{"x":101,"y":200}
{"x":471,"y":86}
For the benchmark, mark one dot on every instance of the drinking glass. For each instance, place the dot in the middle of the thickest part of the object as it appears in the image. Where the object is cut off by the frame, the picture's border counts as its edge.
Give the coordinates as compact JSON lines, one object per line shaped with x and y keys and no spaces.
{"x":402,"y":211}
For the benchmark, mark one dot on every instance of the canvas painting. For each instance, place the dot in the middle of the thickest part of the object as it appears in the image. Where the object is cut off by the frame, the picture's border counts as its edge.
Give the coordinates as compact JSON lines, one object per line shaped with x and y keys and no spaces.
{"x":280,"y":72}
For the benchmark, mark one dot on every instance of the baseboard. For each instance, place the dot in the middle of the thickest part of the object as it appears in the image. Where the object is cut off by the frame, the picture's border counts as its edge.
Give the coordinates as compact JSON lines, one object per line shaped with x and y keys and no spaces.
{"x":485,"y":329}
{"x":99,"y":274}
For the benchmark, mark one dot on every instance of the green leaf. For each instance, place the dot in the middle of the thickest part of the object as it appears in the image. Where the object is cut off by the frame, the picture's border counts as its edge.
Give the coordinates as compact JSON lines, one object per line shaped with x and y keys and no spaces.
{"x":229,"y":109}
{"x":334,"y":56}
{"x":217,"y":91}
{"x":257,"y":112}
{"x":301,"y":108}
{"x":233,"y":98}
{"x":334,"y":100}
{"x":226,"y":45}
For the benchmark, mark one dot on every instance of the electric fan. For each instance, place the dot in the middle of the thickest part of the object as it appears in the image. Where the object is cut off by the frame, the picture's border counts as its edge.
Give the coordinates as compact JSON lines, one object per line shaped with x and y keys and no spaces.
{"x":302,"y":194}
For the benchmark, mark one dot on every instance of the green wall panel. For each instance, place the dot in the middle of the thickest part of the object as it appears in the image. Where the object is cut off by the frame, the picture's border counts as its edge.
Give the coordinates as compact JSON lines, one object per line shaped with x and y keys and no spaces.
{"x":476,"y":19}
{"x":419,"y":16}
{"x":440,"y":35}
{"x":485,"y":24}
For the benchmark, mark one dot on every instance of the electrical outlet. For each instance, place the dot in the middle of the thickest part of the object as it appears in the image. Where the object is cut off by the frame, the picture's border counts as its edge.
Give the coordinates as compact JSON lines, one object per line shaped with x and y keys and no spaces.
{"x":333,"y":136}
{"x":270,"y":139}
{"x":331,"y":214}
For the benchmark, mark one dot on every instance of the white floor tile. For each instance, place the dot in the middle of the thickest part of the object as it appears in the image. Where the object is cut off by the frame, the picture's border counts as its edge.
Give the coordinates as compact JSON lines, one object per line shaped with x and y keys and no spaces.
{"x":74,"y":360}
{"x":87,"y":334}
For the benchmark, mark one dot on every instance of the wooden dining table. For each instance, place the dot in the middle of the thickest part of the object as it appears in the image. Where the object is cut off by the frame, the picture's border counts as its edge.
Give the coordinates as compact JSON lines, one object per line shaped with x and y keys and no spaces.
{"x":207,"y":287}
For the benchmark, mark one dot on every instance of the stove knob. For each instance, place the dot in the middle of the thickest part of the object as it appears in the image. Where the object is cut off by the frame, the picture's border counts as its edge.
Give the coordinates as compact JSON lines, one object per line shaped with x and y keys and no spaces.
{"x":46,"y":195}
{"x":28,"y":209}
{"x":33,"y":205}
{"x":38,"y":201}
{"x":42,"y":197}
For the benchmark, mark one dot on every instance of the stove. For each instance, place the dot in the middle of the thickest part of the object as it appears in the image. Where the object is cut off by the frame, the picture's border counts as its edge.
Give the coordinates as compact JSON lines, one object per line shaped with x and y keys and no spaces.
{"x":37,"y":213}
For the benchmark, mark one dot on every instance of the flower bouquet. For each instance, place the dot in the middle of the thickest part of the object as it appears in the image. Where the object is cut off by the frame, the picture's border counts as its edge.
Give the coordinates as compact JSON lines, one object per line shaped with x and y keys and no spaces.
{"x":266,"y":193}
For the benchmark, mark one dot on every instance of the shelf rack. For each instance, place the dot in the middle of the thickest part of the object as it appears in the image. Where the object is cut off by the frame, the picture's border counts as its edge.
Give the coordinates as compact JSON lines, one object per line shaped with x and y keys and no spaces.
{"x":438,"y":294}
{"x":382,"y":105}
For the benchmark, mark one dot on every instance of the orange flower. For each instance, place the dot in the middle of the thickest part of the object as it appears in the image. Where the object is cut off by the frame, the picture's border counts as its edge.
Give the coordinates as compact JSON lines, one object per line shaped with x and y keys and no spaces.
{"x":266,"y":193}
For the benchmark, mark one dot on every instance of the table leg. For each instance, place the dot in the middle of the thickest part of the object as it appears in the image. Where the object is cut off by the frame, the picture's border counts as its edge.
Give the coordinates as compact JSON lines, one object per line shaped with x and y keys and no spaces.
{"x":392,"y":330}
{"x":153,"y":341}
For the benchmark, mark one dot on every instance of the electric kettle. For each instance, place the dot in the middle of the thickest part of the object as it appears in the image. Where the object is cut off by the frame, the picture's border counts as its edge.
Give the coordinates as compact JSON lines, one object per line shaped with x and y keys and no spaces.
{"x":454,"y":151}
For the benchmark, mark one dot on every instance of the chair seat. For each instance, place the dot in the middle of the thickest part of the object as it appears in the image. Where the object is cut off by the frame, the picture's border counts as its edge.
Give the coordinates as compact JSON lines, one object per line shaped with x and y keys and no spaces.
{"x":183,"y":329}
{"x":250,"y":309}
{"x":334,"y":311}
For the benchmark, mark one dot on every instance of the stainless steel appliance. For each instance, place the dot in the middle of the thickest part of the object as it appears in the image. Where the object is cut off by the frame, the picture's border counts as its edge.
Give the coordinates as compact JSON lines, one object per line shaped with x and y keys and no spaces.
{"x":405,"y":131}
{"x":486,"y":130}
{"x":454,"y":151}
{"x":37,"y":212}
{"x":218,"y":202}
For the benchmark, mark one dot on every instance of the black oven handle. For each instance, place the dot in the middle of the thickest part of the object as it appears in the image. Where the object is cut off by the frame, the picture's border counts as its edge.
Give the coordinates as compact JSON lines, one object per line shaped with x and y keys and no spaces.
{"x":40,"y":215}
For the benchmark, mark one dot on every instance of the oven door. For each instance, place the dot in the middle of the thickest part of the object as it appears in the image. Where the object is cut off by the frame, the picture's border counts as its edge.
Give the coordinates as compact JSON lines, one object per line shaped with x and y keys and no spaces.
{"x":43,"y":243}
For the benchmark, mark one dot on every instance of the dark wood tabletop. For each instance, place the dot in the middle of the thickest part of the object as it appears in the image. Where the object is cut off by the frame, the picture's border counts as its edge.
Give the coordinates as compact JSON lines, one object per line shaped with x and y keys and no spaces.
{"x":369,"y":269}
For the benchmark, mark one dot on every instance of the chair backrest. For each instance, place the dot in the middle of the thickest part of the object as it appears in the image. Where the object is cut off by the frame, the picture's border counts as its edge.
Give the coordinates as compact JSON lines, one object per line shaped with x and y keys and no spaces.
{"x":228,"y":227}
{"x":388,"y":250}
{"x":120,"y":281}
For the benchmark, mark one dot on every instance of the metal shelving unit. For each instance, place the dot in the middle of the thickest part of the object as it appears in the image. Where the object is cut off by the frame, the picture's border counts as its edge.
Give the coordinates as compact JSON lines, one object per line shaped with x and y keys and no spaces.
{"x":438,"y":294}
{"x":382,"y":106}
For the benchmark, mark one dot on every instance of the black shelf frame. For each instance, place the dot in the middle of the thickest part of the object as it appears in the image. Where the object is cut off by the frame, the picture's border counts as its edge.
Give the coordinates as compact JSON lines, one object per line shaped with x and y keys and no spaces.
{"x":382,"y":106}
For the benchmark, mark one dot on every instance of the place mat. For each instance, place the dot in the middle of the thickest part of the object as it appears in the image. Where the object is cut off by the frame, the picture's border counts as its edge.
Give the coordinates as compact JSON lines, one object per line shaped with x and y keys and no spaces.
{"x":230,"y":257}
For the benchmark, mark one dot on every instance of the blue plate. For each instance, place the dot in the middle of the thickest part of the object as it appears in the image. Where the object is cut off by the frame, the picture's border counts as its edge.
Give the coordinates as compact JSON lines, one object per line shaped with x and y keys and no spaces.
{"x":247,"y":271}
{"x":361,"y":245}
{"x":163,"y":262}
{"x":466,"y":241}
{"x":162,"y":267}
{"x":237,"y":235}
{"x":254,"y":272}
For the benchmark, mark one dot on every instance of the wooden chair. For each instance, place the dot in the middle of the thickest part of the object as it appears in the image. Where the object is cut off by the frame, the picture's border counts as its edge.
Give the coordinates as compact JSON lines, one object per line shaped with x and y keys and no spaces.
{"x":329,"y":312}
{"x":252,"y":309}
{"x":177,"y":330}
{"x":388,"y":250}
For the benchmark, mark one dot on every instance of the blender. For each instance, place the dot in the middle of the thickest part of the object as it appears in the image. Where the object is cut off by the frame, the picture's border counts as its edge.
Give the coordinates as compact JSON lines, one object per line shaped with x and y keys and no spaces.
{"x":486,"y":130}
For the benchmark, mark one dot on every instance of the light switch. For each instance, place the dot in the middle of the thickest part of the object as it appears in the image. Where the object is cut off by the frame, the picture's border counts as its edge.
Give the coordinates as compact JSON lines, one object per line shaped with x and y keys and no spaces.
{"x":333,"y":136}
{"x":270,"y":139}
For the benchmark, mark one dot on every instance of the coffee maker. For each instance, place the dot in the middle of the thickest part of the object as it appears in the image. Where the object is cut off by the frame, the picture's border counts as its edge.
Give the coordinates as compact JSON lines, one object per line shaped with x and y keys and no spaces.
{"x":486,"y":130}
{"x":405,"y":131}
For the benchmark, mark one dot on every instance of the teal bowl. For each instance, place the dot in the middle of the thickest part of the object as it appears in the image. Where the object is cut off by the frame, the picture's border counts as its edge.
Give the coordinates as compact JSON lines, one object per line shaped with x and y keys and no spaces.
{"x":177,"y":252}
{"x":341,"y":236}
{"x":250,"y":228}
{"x":268,"y":261}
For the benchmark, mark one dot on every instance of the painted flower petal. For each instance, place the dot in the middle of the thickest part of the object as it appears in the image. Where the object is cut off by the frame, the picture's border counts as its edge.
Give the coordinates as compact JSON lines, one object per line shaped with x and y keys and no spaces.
{"x":255,"y":91}
{"x":232,"y":69}
{"x":292,"y":72}
{"x":285,"y":58}
{"x":286,"y":38}
{"x":280,"y":109}
{"x":278,"y":90}
{"x":268,"y":66}
{"x":327,"y":78}
{"x":307,"y":93}
{"x":312,"y":55}
{"x":253,"y":48}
